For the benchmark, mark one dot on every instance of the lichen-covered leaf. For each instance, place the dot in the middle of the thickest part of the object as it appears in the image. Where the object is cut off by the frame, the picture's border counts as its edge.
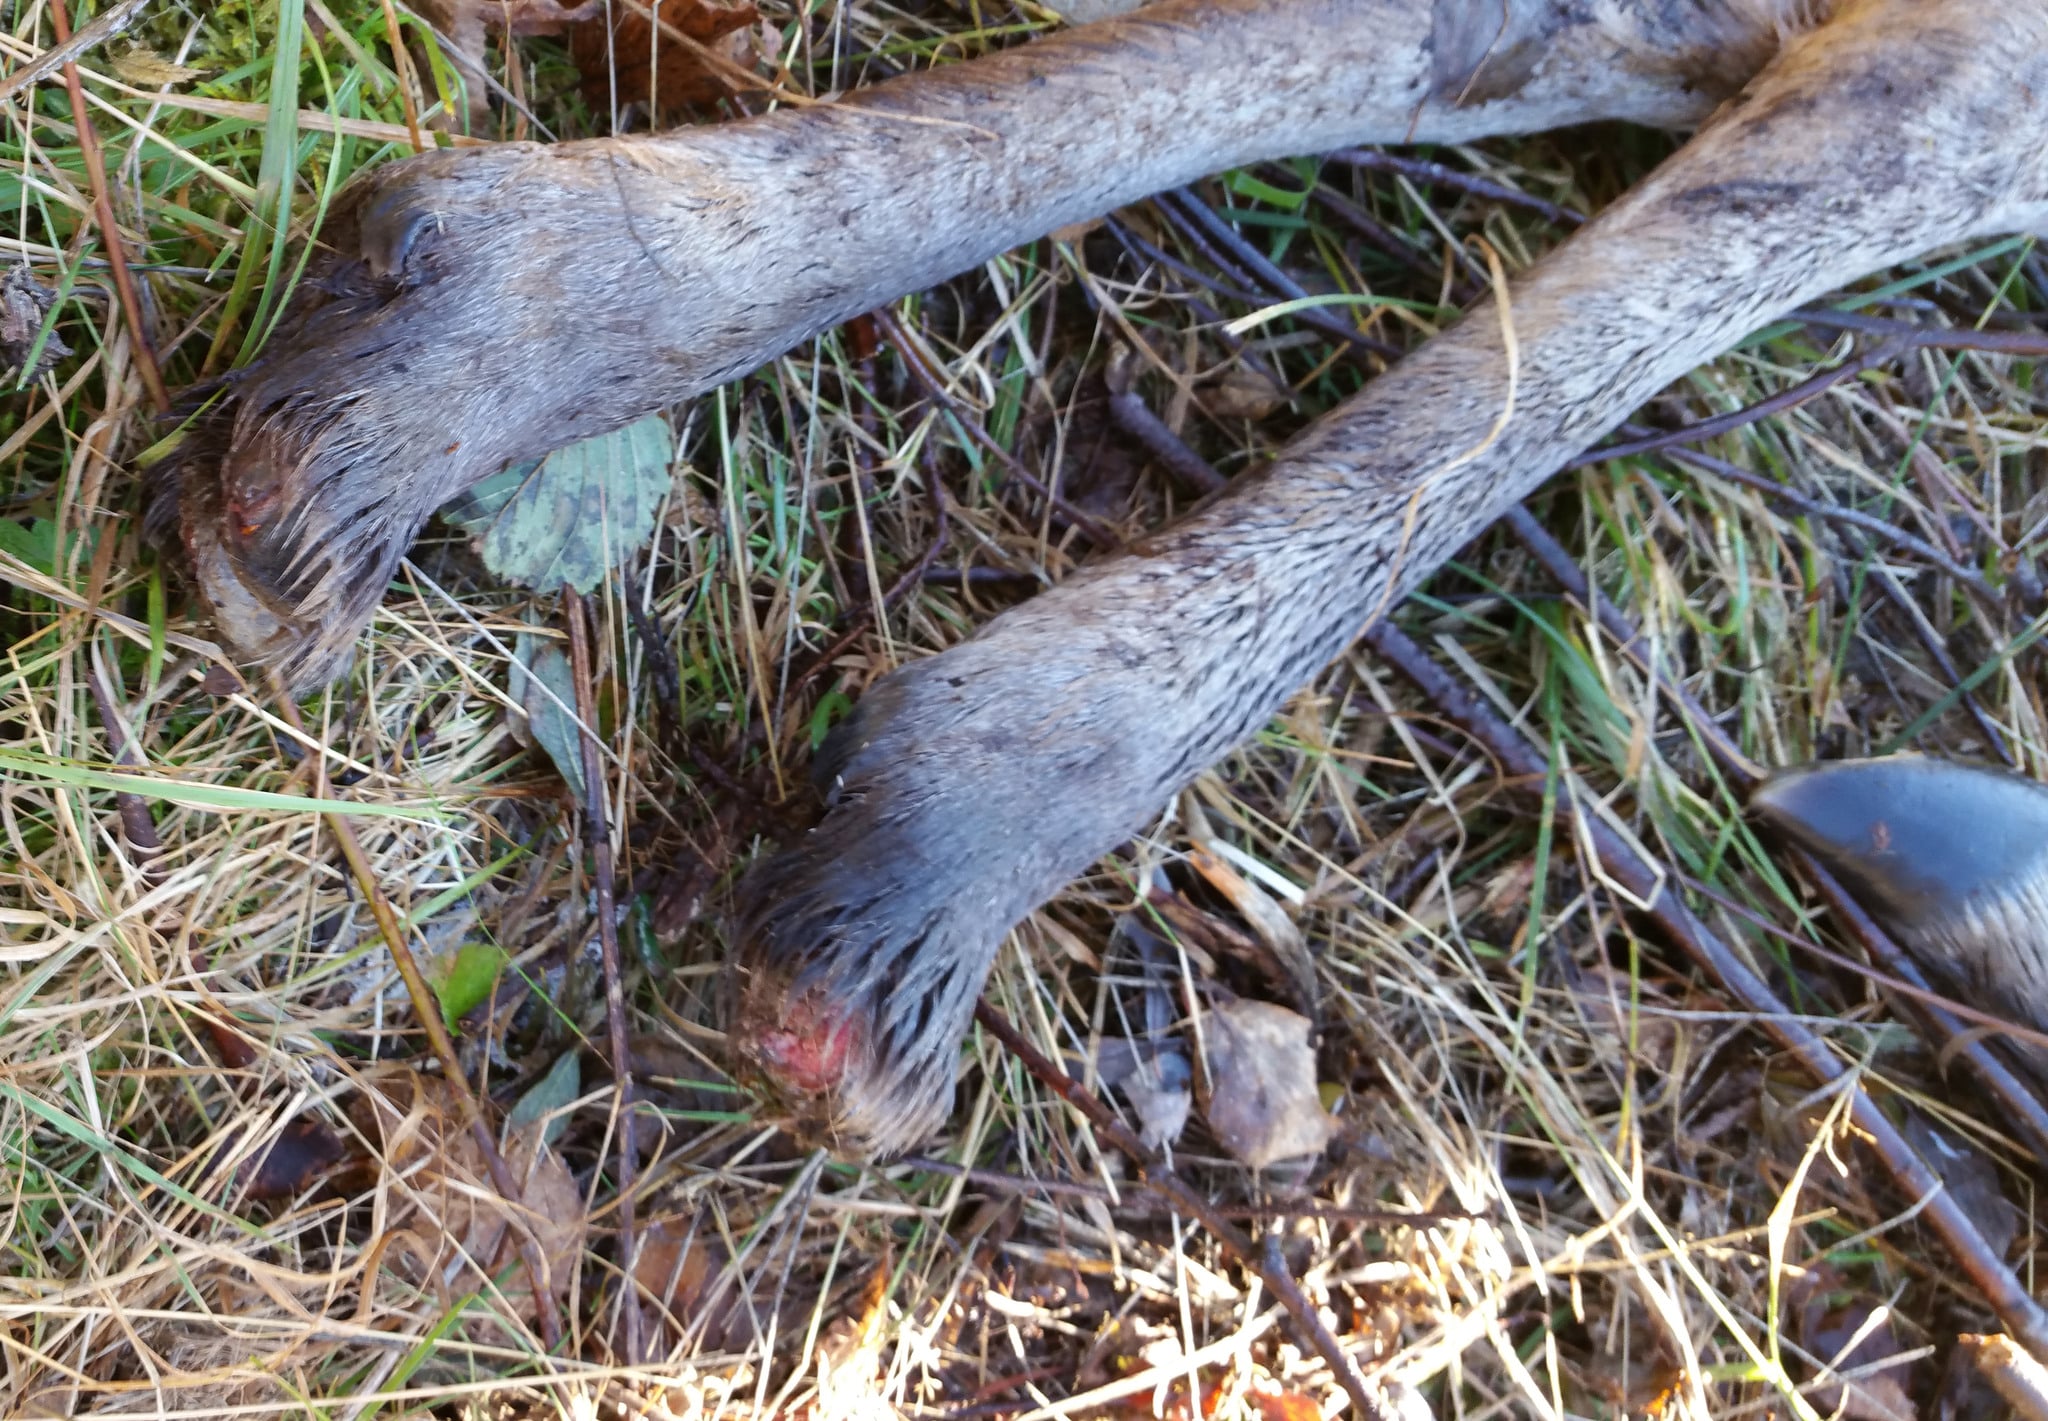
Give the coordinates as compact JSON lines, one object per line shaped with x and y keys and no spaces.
{"x":576,"y":514}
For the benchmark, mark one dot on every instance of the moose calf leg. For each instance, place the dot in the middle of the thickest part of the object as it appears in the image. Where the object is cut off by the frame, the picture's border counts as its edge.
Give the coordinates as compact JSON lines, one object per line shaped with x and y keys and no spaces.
{"x":967,"y":788}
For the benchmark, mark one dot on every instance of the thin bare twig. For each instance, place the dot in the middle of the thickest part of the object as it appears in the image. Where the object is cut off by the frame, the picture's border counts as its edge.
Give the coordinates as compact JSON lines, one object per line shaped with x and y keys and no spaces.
{"x":1789,"y":398}
{"x":928,"y":378}
{"x":1461,"y":290}
{"x":2028,"y":344}
{"x":110,"y":228}
{"x":1945,"y":1019}
{"x":597,"y":836}
{"x":1134,"y":417}
{"x":1254,"y":262}
{"x":1936,"y":646}
{"x":1835,"y":513}
{"x":1218,"y":325}
{"x":1898,"y":338}
{"x":1421,"y":170}
{"x":137,"y":827}
{"x":1077,"y":1189}
{"x":401,"y":64}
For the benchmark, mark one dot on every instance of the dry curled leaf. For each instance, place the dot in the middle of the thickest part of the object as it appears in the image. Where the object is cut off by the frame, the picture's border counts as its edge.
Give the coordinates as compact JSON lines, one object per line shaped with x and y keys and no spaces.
{"x":1279,"y":952}
{"x":1162,"y":1100}
{"x":1153,"y":1074}
{"x":700,"y":58}
{"x":1156,"y":1082}
{"x":1284,"y":956}
{"x":467,"y":25}
{"x":306,"y":1153}
{"x":1262,"y":1103}
{"x":449,"y":1207}
{"x":146,"y":69}
{"x":1244,"y":394}
{"x":684,"y":1269}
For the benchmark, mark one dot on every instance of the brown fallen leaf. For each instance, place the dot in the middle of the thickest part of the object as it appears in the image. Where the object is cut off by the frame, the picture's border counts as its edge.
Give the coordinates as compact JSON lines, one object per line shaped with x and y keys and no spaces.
{"x":307,"y":1152}
{"x":1261,"y":1100}
{"x":676,"y":1262}
{"x":448,"y":1204}
{"x":1870,"y":1371}
{"x":699,"y":59}
{"x":1155,"y":1082}
{"x":684,"y":1268}
{"x":1153,"y":1072}
{"x":1162,"y":1100}
{"x":1244,"y":394}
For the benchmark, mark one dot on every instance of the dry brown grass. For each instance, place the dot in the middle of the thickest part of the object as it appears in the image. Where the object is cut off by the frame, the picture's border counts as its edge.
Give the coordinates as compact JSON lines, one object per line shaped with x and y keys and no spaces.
{"x":1500,"y":1039}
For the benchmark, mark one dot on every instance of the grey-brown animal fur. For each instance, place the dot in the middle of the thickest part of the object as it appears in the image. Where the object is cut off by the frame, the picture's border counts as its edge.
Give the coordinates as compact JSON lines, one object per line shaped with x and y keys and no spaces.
{"x":485,"y":306}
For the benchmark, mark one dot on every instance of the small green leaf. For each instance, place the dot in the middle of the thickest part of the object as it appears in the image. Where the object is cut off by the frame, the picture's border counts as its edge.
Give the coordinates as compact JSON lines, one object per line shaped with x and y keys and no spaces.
{"x":832,"y":708}
{"x":1245,"y":185}
{"x":575,"y":515}
{"x":561,"y":1085}
{"x":35,"y":544}
{"x":470,"y":975}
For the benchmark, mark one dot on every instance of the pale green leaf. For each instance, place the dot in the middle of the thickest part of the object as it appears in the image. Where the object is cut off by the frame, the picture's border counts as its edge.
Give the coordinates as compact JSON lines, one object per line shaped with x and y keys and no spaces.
{"x":577,"y":514}
{"x":538,"y":668}
{"x":547,"y":1098}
